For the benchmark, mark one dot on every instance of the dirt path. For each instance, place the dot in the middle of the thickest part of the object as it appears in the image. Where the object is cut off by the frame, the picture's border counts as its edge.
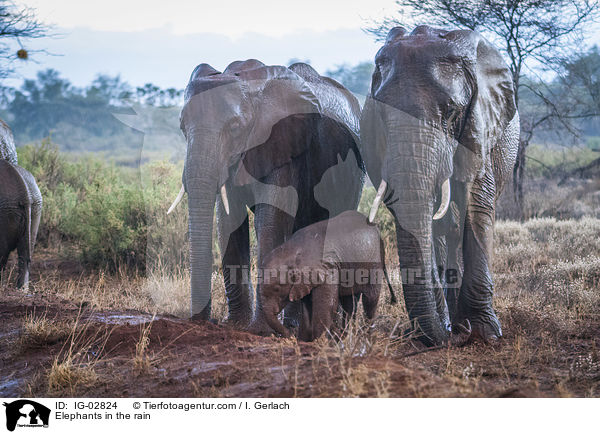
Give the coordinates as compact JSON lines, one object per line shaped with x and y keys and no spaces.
{"x":73,"y":350}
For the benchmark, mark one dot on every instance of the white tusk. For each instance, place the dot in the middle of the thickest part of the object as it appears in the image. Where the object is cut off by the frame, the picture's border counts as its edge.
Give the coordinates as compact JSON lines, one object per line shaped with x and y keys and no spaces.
{"x":177,"y":200}
{"x":377,"y":201}
{"x":224,"y":198}
{"x":441,"y":212}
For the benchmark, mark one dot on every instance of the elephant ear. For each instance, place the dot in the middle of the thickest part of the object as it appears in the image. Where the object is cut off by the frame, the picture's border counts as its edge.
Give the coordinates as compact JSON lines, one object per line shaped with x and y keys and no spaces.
{"x":373,"y":143}
{"x":299,"y":291}
{"x":8,"y":151}
{"x":284,"y":105}
{"x":492,"y":106}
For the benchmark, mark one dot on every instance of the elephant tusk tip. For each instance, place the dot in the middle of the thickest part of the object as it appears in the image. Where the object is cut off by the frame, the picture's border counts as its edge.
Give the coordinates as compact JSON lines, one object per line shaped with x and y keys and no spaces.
{"x":377,"y":200}
{"x":445,"y":202}
{"x":225,"y":199}
{"x":177,"y":200}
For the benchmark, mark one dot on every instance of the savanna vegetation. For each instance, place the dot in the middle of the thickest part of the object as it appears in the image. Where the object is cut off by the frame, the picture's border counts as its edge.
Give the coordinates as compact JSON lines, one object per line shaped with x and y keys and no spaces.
{"x":127,"y":264}
{"x":105,"y":314}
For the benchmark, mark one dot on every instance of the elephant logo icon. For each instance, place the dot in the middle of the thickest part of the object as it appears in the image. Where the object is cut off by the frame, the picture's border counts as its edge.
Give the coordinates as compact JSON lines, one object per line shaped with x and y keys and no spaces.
{"x":26,"y":413}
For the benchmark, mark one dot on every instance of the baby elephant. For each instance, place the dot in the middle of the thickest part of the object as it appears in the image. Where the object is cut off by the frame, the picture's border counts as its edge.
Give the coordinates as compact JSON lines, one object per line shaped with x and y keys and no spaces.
{"x":20,"y":212}
{"x":323,"y":264}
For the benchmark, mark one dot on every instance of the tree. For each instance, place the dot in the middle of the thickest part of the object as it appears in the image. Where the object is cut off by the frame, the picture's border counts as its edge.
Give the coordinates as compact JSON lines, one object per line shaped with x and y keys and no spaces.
{"x":545,"y":32}
{"x":356,"y":78}
{"x":582,"y":75}
{"x":17,"y":24}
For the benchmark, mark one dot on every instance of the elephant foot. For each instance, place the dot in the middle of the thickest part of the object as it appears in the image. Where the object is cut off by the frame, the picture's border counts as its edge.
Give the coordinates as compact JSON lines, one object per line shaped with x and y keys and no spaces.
{"x":461,"y":333}
{"x":204,"y":315}
{"x":486,"y":333}
{"x":238,"y":321}
{"x":259,"y":327}
{"x":485,"y":328}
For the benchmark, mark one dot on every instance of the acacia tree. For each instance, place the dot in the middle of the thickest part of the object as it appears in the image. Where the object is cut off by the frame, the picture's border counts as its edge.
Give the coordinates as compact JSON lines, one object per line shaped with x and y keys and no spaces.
{"x":540,"y":34}
{"x":17,"y":24}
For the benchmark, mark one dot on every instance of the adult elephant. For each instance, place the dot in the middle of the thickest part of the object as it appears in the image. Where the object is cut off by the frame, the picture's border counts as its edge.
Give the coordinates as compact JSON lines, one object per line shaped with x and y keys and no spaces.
{"x":20,"y":208}
{"x":281,"y":141}
{"x":440,"y":132}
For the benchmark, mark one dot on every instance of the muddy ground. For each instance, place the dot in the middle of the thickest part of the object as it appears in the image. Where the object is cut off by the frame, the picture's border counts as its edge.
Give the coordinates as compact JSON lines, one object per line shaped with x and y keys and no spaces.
{"x":117,"y":353}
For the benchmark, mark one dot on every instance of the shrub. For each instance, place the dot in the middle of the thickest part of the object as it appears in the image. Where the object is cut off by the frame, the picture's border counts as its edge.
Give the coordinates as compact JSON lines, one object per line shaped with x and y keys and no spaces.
{"x":114,"y":215}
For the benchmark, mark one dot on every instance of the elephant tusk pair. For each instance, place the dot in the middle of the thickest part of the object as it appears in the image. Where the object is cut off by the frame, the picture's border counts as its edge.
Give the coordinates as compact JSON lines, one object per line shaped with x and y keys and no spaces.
{"x":445,"y":203}
{"x":441,"y":212}
{"x":377,"y":201}
{"x":180,"y":196}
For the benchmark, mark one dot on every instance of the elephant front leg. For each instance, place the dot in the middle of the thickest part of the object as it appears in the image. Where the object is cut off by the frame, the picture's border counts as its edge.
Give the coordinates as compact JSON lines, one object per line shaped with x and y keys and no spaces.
{"x":234,"y":242}
{"x":273,"y":226}
{"x":476,"y":293}
{"x":455,"y":223}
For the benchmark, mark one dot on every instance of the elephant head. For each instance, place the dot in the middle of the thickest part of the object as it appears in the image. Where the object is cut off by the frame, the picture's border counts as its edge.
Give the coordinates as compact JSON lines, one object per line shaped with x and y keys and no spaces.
{"x":438,"y":102}
{"x":227,"y":118}
{"x":8,"y":151}
{"x":289,"y":273}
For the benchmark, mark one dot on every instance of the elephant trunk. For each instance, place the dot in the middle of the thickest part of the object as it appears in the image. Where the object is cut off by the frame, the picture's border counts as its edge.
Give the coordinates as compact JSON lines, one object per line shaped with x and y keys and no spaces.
{"x":271,"y":308}
{"x":412,"y":172}
{"x":420,"y":285}
{"x":201,"y":197}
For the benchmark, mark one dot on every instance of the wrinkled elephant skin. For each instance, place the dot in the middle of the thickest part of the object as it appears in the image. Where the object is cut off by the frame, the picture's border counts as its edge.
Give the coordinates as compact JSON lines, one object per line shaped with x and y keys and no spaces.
{"x":440,"y":131}
{"x":262,"y":138}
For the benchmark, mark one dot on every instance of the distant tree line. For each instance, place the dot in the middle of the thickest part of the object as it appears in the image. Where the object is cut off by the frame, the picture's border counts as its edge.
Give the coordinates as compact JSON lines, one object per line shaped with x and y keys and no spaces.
{"x":78,"y":118}
{"x":81,"y":118}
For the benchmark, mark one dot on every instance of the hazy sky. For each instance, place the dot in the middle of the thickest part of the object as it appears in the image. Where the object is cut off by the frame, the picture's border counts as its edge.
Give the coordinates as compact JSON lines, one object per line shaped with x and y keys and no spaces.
{"x":226,"y":17}
{"x":160,"y":41}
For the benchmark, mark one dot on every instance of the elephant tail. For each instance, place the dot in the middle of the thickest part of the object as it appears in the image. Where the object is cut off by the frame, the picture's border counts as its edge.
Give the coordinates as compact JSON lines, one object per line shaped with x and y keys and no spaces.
{"x":393,"y":299}
{"x":28,"y":235}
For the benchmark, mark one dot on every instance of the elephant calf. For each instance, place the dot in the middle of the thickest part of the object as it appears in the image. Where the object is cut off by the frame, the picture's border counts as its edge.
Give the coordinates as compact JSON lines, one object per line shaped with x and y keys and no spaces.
{"x":323,"y":264}
{"x":20,"y":212}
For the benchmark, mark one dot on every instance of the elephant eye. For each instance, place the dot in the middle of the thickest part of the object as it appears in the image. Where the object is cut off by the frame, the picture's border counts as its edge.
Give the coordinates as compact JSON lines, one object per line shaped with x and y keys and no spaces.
{"x":234,"y":127}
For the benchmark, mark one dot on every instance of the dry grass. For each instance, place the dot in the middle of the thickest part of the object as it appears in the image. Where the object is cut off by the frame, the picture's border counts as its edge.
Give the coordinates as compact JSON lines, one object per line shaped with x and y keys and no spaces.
{"x":550,"y":266}
{"x":73,"y":368}
{"x":547,"y":280}
{"x":67,"y":376}
{"x":142,"y":362}
{"x":38,"y":331}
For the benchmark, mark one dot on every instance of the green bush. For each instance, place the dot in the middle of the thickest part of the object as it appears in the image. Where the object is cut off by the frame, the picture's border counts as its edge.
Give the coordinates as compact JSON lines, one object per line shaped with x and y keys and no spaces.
{"x":114,"y":215}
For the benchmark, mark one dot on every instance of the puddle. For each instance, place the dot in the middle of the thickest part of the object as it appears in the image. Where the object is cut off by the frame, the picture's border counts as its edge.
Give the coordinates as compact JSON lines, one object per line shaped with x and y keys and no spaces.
{"x":122,"y":318}
{"x":9,"y":334}
{"x":10,"y":387}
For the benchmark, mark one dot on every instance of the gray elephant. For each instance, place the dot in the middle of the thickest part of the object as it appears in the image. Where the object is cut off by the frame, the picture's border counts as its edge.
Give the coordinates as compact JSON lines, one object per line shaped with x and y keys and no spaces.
{"x":20,"y":209}
{"x":440,"y":132}
{"x":327,"y":263}
{"x":280,"y":141}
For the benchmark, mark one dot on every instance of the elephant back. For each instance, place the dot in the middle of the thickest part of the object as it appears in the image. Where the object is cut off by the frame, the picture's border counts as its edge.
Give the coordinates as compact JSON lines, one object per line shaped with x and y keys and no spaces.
{"x":8,"y":151}
{"x":336,"y":101}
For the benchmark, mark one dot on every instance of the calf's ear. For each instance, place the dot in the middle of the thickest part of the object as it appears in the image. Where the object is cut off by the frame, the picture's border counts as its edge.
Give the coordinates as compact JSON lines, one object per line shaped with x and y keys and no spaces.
{"x":297,"y":292}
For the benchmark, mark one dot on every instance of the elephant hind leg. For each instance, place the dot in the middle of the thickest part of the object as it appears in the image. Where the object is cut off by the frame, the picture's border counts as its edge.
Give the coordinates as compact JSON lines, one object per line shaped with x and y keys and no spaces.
{"x":348,"y":303}
{"x":370,"y":299}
